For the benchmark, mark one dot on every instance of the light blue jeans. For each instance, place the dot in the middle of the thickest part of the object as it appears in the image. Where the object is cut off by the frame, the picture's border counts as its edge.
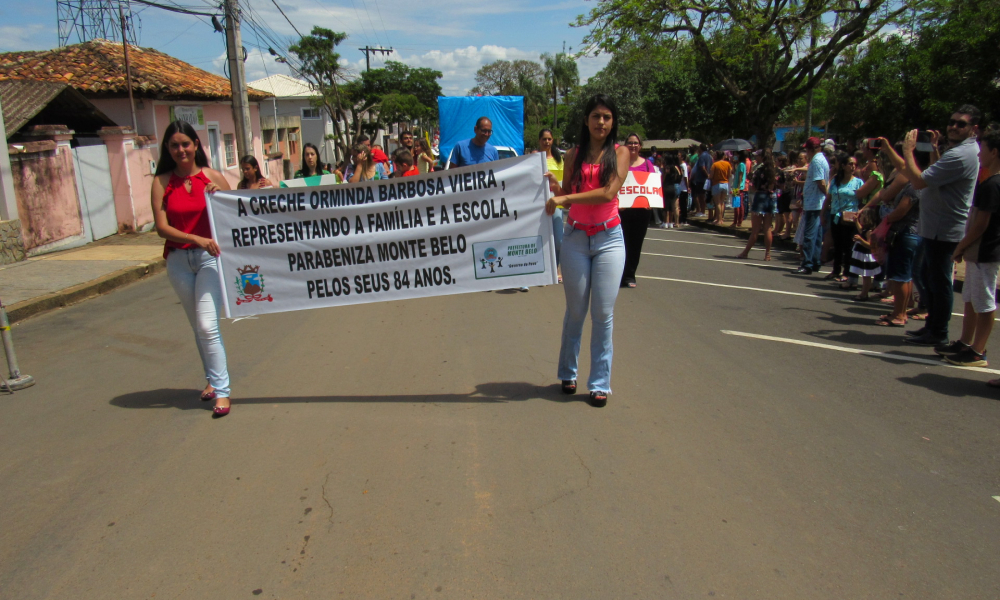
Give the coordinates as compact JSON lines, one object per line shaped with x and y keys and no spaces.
{"x":194,"y":275}
{"x":557,"y":232}
{"x":592,"y":269}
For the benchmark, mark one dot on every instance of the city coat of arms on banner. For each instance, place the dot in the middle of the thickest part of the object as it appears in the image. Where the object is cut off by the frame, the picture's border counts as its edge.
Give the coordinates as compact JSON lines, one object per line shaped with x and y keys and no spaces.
{"x":250,"y":285}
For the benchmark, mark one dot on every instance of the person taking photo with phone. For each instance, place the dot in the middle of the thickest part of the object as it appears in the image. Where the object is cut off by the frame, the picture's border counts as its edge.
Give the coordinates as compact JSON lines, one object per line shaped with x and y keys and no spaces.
{"x":948,"y":185}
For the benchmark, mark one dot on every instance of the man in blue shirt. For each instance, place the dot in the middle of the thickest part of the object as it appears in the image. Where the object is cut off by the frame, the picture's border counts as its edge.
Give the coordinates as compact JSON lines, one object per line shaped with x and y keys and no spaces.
{"x":701,"y":171}
{"x":813,"y":195}
{"x":946,"y":189}
{"x":477,"y":150}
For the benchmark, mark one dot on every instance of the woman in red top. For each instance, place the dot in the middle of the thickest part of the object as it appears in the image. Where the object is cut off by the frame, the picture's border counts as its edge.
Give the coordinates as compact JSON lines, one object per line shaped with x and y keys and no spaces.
{"x":593,"y":249}
{"x":179,"y":210}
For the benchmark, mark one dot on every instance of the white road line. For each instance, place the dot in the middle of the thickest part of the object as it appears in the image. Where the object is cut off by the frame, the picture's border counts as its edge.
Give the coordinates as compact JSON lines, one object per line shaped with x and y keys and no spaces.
{"x":742,"y":287}
{"x":923,"y":361}
{"x":731,"y":262}
{"x":753,"y":289}
{"x":755,"y":249}
{"x":698,"y":233}
{"x":997,"y":498}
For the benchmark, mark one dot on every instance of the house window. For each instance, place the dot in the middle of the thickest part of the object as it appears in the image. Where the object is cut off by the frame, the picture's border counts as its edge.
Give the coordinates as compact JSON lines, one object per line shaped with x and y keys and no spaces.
{"x":229,"y":139}
{"x":310,"y":113}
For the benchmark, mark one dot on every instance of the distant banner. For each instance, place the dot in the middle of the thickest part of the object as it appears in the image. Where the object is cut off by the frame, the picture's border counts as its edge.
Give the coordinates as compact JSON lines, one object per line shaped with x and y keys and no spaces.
{"x":641,"y":190}
{"x":471,"y":229}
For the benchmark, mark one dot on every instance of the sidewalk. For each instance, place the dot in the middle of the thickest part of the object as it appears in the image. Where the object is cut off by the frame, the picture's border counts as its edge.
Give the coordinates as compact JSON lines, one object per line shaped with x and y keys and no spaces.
{"x":59,"y":279}
{"x":743,"y":232}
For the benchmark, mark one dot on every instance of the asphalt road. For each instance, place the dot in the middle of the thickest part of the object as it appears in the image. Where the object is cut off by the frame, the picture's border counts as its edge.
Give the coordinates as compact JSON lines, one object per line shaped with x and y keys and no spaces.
{"x":421,"y":449}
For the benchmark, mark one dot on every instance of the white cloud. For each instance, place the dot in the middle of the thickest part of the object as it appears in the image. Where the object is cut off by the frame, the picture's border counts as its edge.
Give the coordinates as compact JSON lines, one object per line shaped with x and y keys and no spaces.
{"x":27,"y":37}
{"x":459,"y":66}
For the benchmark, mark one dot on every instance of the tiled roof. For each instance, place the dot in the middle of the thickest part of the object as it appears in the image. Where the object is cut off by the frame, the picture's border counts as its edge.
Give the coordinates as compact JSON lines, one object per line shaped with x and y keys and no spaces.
{"x":97,"y":68}
{"x":52,"y":103}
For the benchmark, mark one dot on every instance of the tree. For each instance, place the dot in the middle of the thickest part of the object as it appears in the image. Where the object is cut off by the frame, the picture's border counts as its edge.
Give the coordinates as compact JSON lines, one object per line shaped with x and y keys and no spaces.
{"x":917,"y":78}
{"x":503,"y":77}
{"x":561,"y":77}
{"x":758,"y":52}
{"x":394,"y":93}
{"x":321,"y":66}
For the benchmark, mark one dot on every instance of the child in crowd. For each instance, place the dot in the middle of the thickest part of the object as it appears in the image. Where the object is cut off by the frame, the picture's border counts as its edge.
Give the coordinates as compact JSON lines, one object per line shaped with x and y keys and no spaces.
{"x":863,"y":263}
{"x":402,"y":160}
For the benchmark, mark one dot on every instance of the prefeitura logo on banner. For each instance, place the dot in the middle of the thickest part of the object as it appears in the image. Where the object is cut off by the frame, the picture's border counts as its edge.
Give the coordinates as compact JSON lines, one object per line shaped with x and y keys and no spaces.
{"x":250,"y":285}
{"x":503,"y":258}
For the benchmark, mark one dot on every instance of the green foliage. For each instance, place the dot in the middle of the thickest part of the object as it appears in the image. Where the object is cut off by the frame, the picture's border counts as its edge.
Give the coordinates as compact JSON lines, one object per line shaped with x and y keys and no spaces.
{"x":763,"y":54}
{"x":902,"y":82}
{"x":533,"y":82}
{"x":394,"y":93}
{"x":506,"y":78}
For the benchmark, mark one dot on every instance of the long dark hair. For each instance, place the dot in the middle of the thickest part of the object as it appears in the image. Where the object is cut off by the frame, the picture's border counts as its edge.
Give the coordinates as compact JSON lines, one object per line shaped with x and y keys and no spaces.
{"x":556,"y":152}
{"x":249,"y":160}
{"x":166,"y":164}
{"x":768,"y":170}
{"x":305,"y":168}
{"x":841,"y":158}
{"x":609,"y":160}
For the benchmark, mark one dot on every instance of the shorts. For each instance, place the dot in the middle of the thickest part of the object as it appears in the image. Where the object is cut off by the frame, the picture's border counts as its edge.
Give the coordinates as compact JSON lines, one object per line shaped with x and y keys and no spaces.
{"x":980,"y":287}
{"x":720,"y":188}
{"x":785,"y":202}
{"x":764,"y":203}
{"x":899,"y":264}
{"x":708,"y":185}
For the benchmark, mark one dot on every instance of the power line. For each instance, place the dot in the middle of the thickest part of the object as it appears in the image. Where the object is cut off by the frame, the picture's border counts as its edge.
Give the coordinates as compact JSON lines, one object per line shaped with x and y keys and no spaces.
{"x":275,"y":2}
{"x":384,"y":30}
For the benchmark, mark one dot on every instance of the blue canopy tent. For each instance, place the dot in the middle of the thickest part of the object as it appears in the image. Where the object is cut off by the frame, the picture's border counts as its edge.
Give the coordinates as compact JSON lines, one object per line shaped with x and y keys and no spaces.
{"x":458,"y":115}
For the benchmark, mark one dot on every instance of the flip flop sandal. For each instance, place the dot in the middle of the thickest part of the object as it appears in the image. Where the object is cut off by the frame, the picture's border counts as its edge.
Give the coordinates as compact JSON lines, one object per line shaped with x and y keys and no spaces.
{"x":889,"y":323}
{"x":917,"y":316}
{"x":860,"y":298}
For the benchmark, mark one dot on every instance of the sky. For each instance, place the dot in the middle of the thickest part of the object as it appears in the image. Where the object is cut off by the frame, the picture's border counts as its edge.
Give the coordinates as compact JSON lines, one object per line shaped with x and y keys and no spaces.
{"x":456,"y":38}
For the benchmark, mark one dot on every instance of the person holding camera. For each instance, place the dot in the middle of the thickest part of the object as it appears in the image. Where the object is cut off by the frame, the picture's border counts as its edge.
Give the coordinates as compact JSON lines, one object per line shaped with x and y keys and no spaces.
{"x":947,"y":184}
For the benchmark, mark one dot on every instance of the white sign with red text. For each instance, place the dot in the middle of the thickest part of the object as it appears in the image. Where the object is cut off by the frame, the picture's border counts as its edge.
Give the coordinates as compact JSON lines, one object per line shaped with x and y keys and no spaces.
{"x":641,"y":190}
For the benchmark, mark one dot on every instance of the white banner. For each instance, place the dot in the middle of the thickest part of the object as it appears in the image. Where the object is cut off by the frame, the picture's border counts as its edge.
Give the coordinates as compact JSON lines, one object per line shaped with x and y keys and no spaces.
{"x":471,"y":229}
{"x":641,"y":190}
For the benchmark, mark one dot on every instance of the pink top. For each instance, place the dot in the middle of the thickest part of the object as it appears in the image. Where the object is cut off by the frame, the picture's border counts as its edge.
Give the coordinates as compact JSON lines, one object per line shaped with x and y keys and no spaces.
{"x":592,"y":214}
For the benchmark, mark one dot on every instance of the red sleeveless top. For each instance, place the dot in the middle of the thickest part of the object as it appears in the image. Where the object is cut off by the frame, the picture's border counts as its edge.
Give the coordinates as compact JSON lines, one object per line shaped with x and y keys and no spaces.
{"x":186,"y":211}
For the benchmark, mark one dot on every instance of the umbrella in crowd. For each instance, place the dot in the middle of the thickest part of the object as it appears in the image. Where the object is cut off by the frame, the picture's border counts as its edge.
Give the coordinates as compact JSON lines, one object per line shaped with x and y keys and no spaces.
{"x":733,"y":145}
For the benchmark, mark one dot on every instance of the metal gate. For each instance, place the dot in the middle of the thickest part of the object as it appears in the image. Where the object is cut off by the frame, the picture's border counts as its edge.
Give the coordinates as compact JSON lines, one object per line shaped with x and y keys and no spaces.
{"x":97,"y":199}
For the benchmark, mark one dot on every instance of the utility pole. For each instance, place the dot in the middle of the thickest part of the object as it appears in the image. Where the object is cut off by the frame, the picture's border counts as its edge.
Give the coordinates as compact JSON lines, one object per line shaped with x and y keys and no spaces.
{"x":238,"y":79}
{"x":128,"y":69}
{"x":368,"y":50}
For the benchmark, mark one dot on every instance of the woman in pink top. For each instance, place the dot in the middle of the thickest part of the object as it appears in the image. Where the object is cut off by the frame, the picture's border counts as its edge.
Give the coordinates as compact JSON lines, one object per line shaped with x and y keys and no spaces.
{"x":181,"y":215}
{"x":593,"y":249}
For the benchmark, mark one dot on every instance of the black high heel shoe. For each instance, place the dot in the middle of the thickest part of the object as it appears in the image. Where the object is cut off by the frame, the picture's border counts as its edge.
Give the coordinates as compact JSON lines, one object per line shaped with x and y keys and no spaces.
{"x":569,"y":386}
{"x":598,"y":399}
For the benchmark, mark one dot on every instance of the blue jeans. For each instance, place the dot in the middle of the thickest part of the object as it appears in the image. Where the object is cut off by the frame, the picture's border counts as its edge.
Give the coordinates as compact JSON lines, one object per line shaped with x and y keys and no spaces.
{"x":194,"y":275}
{"x":812,"y":239}
{"x":592,"y":271}
{"x":918,"y":275}
{"x":557,"y":232}
{"x":936,"y":270}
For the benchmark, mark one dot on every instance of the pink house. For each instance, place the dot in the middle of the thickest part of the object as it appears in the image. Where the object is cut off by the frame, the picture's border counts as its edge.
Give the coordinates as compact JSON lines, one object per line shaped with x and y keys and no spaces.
{"x":164,"y":89}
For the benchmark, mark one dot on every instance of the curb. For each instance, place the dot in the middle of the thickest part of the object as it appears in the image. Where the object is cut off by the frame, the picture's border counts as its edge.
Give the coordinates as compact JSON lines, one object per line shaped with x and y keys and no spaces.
{"x":956,"y":283}
{"x":78,"y":293}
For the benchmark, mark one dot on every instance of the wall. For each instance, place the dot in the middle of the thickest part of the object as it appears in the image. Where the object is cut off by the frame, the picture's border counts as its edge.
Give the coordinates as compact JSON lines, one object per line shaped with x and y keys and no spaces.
{"x":11,"y":242}
{"x":221,"y":113}
{"x":45,"y":187}
{"x":117,"y":109}
{"x":141,"y":180}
